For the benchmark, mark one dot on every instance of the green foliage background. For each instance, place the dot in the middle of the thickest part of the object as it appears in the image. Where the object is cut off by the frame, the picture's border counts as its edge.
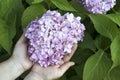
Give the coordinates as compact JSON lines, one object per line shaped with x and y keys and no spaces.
{"x":97,"y":57}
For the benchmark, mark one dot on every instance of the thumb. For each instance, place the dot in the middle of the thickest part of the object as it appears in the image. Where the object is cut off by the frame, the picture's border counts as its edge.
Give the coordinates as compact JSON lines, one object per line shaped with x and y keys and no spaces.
{"x":22,"y":39}
{"x":63,"y":68}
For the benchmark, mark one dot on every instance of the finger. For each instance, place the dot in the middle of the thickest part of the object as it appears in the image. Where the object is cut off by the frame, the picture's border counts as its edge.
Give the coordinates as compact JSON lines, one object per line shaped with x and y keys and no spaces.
{"x":61,"y":62}
{"x":39,"y":68}
{"x":63,"y":68}
{"x":68,"y":57}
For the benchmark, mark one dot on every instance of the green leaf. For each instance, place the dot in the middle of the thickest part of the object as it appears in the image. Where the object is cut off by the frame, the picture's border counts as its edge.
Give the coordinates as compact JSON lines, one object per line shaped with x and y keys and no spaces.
{"x":102,"y":42}
{"x":88,"y":43}
{"x":115,"y":73}
{"x":63,"y":78}
{"x":63,"y":5}
{"x":31,"y":13}
{"x":29,"y":1}
{"x":115,"y":18}
{"x":79,"y":70}
{"x":25,"y":74}
{"x":33,"y":1}
{"x":11,"y":22}
{"x":81,"y":55}
{"x":79,"y":7}
{"x":89,"y":27}
{"x":0,"y":48}
{"x":10,"y":14}
{"x":107,"y":77}
{"x":5,"y":7}
{"x":117,"y":6}
{"x":80,"y":10}
{"x":4,"y":57}
{"x":5,"y":39}
{"x":74,"y":78}
{"x":36,"y":1}
{"x":104,"y":26}
{"x":97,"y":66}
{"x":71,"y":72}
{"x":115,"y":51}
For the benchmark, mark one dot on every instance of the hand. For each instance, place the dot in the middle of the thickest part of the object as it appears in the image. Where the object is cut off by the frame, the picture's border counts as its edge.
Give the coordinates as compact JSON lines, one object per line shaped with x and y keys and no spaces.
{"x":17,"y":64}
{"x":52,"y":72}
{"x":20,"y":54}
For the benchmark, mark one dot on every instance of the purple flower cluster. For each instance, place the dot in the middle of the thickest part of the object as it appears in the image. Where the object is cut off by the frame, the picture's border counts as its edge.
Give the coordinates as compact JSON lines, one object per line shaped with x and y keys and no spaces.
{"x":98,"y":6}
{"x":52,"y":36}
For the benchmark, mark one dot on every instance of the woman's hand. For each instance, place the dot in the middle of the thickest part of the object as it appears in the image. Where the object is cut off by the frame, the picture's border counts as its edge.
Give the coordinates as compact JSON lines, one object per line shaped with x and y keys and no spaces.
{"x":51,"y":72}
{"x":17,"y":64}
{"x":20,"y":54}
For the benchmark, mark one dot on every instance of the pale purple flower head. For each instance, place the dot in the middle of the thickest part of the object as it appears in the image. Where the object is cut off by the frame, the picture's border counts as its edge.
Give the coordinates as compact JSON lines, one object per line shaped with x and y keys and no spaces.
{"x":52,"y":36}
{"x":98,"y":6}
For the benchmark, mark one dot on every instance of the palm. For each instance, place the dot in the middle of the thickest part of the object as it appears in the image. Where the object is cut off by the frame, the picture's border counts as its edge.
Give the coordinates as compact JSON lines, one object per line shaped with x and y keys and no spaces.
{"x":54,"y":72}
{"x":20,"y":53}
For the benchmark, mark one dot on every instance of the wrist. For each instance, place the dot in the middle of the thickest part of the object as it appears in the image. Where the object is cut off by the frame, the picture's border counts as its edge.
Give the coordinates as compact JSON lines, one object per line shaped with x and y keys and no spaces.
{"x":33,"y":76}
{"x":24,"y":63}
{"x":17,"y":68}
{"x":11,"y":70}
{"x":16,"y":64}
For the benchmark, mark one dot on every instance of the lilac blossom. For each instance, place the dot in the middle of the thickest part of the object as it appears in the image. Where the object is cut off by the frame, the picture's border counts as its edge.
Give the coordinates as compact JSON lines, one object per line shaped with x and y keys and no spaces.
{"x":98,"y":6}
{"x":52,"y":36}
